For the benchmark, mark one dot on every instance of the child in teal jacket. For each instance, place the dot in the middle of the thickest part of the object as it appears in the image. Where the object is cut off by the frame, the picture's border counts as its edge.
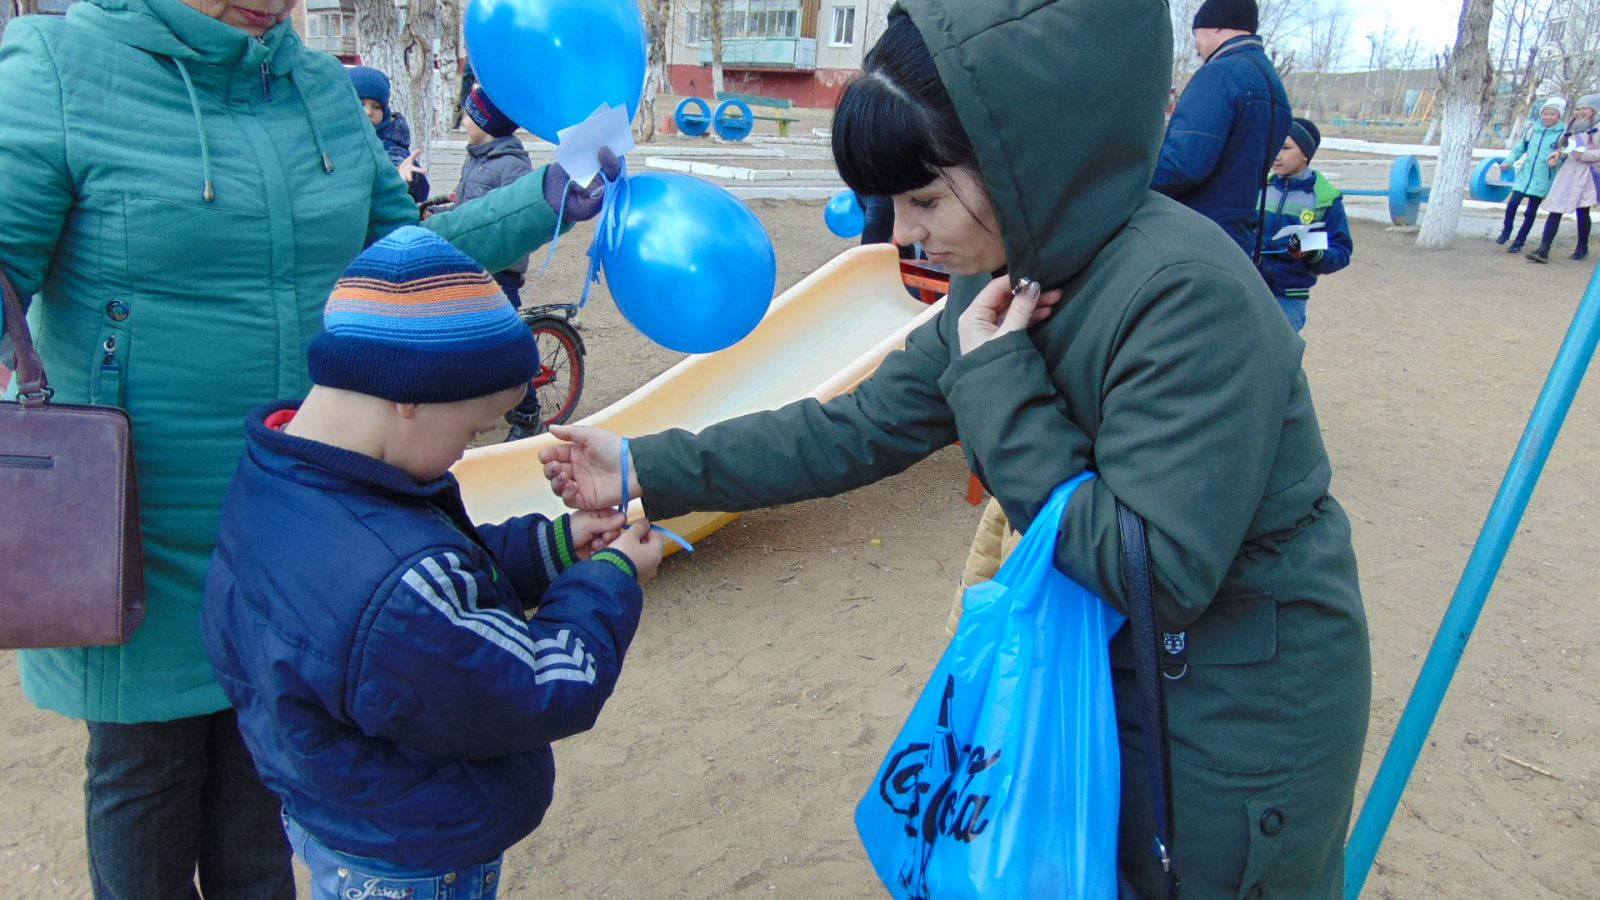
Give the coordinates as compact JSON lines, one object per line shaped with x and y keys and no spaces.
{"x":1533,"y":181}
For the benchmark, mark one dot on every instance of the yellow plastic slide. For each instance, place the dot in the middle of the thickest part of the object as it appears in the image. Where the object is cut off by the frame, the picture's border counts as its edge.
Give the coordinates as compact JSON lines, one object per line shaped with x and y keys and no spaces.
{"x":821,"y":338}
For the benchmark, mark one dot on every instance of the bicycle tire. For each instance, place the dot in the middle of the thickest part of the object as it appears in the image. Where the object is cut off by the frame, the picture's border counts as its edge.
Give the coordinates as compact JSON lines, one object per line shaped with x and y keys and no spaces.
{"x":559,"y":383}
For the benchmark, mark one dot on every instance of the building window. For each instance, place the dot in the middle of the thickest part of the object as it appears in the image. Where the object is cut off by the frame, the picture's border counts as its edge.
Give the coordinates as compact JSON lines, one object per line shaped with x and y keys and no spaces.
{"x":844,"y":26}
{"x":747,"y":19}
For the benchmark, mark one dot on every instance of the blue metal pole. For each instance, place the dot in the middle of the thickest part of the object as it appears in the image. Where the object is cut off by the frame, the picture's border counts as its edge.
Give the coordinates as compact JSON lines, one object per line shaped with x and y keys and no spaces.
{"x":1473,"y":589}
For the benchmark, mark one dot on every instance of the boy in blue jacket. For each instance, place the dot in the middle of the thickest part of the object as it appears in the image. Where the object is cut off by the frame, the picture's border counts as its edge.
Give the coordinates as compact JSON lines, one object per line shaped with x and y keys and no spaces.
{"x":388,"y":683}
{"x":1298,"y":195}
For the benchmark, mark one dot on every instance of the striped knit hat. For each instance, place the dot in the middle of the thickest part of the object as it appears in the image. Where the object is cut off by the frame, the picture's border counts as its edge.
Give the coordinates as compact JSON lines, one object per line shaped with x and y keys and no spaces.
{"x":414,"y":320}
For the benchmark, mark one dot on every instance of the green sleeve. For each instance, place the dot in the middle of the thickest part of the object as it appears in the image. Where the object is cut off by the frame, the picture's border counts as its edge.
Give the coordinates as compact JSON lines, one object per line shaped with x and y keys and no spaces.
{"x":806,"y":449}
{"x":497,"y":230}
{"x":1191,"y":407}
{"x":501,"y":227}
{"x":36,"y":184}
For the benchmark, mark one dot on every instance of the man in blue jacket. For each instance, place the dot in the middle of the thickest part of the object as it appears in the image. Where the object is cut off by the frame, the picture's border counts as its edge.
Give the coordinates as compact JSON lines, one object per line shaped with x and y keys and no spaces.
{"x":1228,"y":126}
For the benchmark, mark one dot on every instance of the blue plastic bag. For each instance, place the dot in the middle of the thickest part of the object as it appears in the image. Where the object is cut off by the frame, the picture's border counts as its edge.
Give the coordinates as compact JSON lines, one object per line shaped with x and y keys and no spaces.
{"x":1005,"y":780}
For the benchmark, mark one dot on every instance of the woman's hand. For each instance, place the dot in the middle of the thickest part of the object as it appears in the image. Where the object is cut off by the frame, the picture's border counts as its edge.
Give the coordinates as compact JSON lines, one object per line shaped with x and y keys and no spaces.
{"x":998,"y":311}
{"x":586,"y":472}
{"x":593,"y":529}
{"x":409,"y":168}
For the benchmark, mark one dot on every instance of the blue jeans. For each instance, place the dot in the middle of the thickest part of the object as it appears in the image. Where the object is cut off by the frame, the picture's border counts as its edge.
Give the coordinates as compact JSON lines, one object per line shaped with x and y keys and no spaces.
{"x":342,"y":876}
{"x":167,"y":801}
{"x":1295,"y":310}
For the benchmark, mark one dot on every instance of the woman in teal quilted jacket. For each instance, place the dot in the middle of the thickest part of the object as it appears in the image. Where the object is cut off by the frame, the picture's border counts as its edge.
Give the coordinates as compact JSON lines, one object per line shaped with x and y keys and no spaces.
{"x":181,"y":183}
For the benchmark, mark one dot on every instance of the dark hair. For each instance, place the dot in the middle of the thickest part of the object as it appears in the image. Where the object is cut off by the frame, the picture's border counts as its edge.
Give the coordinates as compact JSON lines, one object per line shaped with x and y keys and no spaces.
{"x":895,"y":126}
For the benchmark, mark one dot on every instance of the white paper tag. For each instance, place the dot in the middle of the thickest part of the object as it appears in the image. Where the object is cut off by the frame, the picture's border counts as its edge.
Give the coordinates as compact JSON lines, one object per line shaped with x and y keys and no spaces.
{"x":578,"y":146}
{"x":1311,"y":236}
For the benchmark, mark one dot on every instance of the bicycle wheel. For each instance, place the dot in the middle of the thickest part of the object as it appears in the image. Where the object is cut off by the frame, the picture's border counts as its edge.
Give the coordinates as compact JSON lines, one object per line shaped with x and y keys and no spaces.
{"x":560,"y":379}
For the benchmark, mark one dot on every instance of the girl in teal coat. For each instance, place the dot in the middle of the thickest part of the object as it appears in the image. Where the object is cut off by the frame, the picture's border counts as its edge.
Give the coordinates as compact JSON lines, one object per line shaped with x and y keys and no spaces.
{"x":181,"y":183}
{"x":1533,"y":182}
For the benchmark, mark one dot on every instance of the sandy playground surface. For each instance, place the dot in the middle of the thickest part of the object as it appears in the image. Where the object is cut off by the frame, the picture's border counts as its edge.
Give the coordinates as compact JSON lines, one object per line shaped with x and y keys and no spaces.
{"x":774,"y":666}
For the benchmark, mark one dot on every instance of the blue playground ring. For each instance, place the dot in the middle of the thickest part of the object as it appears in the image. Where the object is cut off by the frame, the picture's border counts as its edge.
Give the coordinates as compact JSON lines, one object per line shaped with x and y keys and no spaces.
{"x":690,"y":122}
{"x":731,"y":128}
{"x":1405,"y":191}
{"x":1481,"y":188}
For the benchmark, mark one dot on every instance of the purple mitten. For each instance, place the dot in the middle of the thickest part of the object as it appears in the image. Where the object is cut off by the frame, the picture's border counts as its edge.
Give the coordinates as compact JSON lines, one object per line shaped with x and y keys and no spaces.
{"x":581,"y":204}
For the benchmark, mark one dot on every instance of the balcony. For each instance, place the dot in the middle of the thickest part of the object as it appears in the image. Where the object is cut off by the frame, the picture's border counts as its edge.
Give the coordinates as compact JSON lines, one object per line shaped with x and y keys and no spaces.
{"x":338,"y":46}
{"x":765,"y":53}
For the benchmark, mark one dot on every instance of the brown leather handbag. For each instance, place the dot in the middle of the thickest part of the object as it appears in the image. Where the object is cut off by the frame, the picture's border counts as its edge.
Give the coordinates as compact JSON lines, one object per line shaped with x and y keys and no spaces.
{"x":71,"y":573}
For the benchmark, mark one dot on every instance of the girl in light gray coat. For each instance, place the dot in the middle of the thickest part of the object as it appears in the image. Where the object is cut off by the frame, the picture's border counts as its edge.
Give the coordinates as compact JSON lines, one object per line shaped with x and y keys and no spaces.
{"x":1574,"y":188}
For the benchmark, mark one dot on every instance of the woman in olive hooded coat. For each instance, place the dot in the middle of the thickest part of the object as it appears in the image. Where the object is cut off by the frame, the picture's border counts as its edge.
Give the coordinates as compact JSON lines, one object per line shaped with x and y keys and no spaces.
{"x":1164,"y":365}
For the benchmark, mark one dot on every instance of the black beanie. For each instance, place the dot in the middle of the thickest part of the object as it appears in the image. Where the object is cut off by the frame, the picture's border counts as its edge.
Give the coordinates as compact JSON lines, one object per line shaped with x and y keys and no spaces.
{"x":1306,"y":136}
{"x":1239,"y":14}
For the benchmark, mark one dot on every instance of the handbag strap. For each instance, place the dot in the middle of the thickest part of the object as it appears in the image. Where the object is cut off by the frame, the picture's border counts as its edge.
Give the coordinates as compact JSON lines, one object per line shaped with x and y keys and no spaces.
{"x":1137,"y":580}
{"x":33,"y":388}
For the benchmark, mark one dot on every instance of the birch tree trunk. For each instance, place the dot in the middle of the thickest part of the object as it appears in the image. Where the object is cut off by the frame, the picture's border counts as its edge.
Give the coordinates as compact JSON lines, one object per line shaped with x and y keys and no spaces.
{"x":419,"y":43}
{"x":448,"y":67}
{"x":1468,"y":79}
{"x":657,"y":23}
{"x":717,"y":20}
{"x":407,"y":56}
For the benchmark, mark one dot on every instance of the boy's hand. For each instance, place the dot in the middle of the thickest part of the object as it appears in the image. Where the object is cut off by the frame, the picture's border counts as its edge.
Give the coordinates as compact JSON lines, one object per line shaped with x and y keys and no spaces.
{"x":641,"y":544}
{"x":409,"y":168}
{"x":586,"y":473}
{"x":594,"y":529}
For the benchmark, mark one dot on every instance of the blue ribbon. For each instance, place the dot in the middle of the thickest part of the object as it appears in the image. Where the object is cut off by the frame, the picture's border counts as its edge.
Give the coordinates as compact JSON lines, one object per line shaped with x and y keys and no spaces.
{"x":609,"y":225}
{"x":608,"y":230}
{"x":624,"y":507}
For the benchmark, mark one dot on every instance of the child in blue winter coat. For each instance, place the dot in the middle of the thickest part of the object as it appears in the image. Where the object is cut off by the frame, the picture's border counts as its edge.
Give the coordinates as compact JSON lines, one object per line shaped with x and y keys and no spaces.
{"x":1298,"y":195}
{"x":1539,"y":141}
{"x":372,"y":86}
{"x":389,"y":684}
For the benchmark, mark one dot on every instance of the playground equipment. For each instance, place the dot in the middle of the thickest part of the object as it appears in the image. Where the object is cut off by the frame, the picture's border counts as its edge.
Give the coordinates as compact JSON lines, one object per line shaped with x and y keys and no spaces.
{"x":1450,"y":641}
{"x":820,"y":338}
{"x":1406,"y":192}
{"x":733,"y":120}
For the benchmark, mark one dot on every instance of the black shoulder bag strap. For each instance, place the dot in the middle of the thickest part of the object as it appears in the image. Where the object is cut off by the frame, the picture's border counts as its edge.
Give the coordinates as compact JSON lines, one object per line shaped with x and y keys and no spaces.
{"x":1138,"y":581}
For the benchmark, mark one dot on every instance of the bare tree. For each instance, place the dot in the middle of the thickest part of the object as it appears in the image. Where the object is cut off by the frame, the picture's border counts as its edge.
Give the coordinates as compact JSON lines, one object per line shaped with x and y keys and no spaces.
{"x":1282,"y":25}
{"x":1575,"y":40}
{"x":409,"y":56}
{"x":1184,"y":61}
{"x":657,"y":27}
{"x":1519,"y":30}
{"x":1467,"y":81}
{"x":1327,"y":36}
{"x":718,"y":22}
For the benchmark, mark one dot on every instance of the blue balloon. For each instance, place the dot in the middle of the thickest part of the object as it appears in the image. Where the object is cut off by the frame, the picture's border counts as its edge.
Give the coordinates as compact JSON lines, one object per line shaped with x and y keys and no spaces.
{"x":694,"y":269}
{"x":844,"y":215}
{"x":549,"y":63}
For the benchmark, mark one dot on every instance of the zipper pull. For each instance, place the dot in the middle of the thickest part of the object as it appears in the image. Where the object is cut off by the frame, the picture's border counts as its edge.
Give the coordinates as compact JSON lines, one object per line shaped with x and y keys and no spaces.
{"x":266,"y":82}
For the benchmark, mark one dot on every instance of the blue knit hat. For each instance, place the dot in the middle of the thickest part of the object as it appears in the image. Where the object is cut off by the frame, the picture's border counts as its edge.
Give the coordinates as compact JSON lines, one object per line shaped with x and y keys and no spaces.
{"x":414,"y":320}
{"x":479,"y":108}
{"x":370,"y":84}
